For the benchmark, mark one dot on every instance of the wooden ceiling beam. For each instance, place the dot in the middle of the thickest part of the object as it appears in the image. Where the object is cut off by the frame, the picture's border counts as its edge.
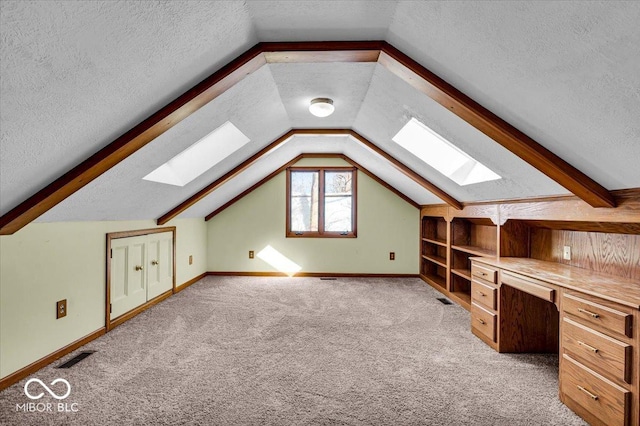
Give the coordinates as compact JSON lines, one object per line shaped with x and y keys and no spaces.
{"x":136,"y":138}
{"x":414,"y":176}
{"x":380,"y":181}
{"x":294,"y":161}
{"x":253,"y":187}
{"x":303,"y":52}
{"x":223,"y":179}
{"x":496,"y":128}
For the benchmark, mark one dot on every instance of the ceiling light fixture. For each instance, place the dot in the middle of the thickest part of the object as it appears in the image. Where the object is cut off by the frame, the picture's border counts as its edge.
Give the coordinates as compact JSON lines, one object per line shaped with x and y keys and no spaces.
{"x":321,"y":107}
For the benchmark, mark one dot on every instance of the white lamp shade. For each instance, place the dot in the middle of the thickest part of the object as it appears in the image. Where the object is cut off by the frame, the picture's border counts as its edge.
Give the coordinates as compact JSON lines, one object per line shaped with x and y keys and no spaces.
{"x":321,"y":107}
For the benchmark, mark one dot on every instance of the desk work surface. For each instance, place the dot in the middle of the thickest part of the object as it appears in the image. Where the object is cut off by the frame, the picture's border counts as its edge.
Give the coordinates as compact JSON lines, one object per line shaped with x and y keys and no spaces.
{"x":609,"y":287}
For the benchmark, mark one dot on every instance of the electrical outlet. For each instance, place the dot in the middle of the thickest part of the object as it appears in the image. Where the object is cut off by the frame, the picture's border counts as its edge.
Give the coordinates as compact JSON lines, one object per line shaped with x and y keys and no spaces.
{"x":61,"y":309}
{"x":251,"y":255}
{"x":392,"y":255}
{"x":566,"y":253}
{"x":190,"y":259}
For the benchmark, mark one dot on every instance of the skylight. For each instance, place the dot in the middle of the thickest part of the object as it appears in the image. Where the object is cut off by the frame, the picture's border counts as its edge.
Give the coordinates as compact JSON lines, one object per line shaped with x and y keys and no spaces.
{"x":442,"y":155}
{"x":200,"y":157}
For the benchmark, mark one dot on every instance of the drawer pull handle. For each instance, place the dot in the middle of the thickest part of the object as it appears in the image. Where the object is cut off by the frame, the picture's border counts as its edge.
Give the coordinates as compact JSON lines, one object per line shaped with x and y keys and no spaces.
{"x":589,"y":347}
{"x":484,"y":274}
{"x":139,"y":268}
{"x":592,"y":314}
{"x":481,"y":294}
{"x":592,"y":396}
{"x":481,"y":321}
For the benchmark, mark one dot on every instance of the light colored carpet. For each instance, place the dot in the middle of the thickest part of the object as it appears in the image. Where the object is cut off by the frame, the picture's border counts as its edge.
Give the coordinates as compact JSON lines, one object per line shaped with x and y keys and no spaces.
{"x":300,"y":351}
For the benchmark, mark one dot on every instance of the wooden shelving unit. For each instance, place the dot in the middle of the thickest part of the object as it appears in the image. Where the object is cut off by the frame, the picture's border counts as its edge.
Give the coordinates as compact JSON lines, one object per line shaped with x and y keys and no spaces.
{"x":434,"y":251}
{"x":449,"y":239}
{"x":470,"y":237}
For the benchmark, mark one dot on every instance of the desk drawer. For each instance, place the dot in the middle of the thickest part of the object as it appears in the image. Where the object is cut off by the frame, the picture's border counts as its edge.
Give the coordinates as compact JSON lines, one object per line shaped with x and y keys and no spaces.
{"x":484,"y":272}
{"x":483,"y":321}
{"x":597,"y":314}
{"x":607,"y":355}
{"x":601,"y":398}
{"x":528,"y":285}
{"x":483,"y":294}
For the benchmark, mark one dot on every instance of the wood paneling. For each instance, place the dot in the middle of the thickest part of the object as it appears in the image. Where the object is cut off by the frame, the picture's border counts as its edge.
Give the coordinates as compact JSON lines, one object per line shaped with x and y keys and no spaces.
{"x":514,"y":239}
{"x":615,"y":254}
{"x":537,"y":328}
{"x":575,"y":212}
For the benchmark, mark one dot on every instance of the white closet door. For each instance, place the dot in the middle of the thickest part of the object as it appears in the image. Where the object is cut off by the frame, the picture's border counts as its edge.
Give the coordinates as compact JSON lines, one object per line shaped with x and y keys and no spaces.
{"x":160,"y":249}
{"x":128,"y":274}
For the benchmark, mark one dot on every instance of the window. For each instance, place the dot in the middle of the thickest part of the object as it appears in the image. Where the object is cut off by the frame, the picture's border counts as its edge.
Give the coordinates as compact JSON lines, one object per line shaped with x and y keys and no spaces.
{"x":442,"y":155}
{"x":200,"y":157}
{"x":321,"y":202}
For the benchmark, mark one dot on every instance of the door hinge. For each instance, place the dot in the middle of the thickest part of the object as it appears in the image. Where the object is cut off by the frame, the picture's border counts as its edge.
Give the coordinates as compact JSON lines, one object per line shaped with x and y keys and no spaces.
{"x":110,"y":308}
{"x":111,"y":254}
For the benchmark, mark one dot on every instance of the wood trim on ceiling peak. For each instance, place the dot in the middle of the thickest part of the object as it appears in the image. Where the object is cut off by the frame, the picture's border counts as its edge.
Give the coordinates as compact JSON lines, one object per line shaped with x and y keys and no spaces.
{"x":222,"y":180}
{"x":496,"y":128}
{"x":295,"y":52}
{"x":246,"y":164}
{"x":294,"y":161}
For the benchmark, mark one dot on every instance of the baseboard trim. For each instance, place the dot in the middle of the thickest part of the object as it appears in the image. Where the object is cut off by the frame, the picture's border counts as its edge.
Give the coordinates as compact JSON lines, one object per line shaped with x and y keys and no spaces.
{"x":42,"y":362}
{"x":191,"y":281}
{"x":136,"y":311}
{"x":310,"y":274}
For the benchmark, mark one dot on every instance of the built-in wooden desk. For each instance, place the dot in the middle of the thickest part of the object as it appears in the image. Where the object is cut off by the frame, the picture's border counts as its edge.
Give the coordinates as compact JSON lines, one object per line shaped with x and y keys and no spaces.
{"x":590,"y":319}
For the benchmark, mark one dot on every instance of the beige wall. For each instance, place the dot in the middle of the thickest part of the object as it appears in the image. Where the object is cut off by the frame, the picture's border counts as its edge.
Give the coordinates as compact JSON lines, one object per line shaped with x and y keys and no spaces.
{"x":46,"y":262}
{"x":385,"y":223}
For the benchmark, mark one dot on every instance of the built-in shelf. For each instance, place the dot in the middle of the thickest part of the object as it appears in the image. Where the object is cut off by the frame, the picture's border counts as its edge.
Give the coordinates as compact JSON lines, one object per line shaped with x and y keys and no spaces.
{"x":435,"y":280}
{"x":439,"y":242}
{"x":464,"y":299}
{"x":476,"y":251}
{"x":434,"y":252}
{"x":436,"y":259}
{"x":464,"y":273}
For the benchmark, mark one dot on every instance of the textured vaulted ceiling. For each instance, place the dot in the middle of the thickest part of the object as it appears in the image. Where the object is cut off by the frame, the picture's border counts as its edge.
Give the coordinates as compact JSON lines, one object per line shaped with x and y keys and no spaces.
{"x":76,"y":75}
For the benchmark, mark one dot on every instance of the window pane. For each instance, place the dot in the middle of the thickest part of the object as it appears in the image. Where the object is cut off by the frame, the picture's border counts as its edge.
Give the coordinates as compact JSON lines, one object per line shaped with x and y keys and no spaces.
{"x":337,"y":214}
{"x":337,"y":183}
{"x":338,"y":201}
{"x":304,"y":201}
{"x":304,"y":183}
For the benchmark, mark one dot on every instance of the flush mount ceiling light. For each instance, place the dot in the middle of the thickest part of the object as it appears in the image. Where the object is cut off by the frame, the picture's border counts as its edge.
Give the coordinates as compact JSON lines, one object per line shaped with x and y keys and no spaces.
{"x":321,"y":107}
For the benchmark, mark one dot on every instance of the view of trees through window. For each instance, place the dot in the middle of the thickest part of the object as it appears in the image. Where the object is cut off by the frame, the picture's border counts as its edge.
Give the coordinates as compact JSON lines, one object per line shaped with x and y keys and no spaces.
{"x":321,"y":201}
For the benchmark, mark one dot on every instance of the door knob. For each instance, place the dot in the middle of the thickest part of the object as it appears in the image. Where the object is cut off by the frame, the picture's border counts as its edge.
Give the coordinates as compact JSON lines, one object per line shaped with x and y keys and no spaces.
{"x":154,"y":262}
{"x":139,"y":268}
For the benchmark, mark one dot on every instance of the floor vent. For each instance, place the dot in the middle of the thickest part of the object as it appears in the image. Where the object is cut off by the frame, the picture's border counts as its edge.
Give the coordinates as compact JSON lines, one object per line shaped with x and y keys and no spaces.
{"x":328,"y":278}
{"x":445,"y":301}
{"x":76,"y":359}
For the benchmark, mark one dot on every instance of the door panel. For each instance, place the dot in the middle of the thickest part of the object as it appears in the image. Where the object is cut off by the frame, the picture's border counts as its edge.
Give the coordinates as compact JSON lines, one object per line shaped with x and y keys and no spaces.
{"x":128,"y":283}
{"x":160,"y":264}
